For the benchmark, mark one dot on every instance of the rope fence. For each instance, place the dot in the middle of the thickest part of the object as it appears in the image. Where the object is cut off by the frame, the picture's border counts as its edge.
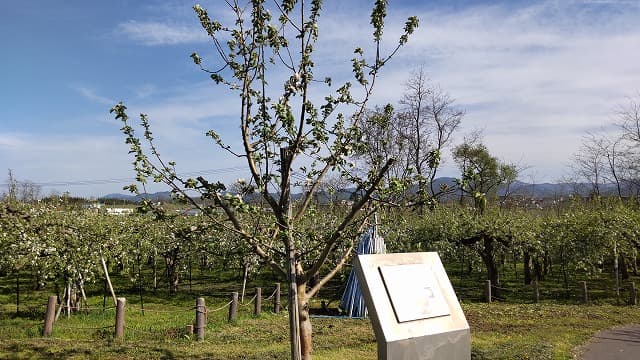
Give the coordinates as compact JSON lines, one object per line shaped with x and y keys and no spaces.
{"x":84,"y":309}
{"x":582,"y":292}
{"x":271,"y":296}
{"x":221,"y":307}
{"x":163,"y":311}
{"x":65,"y":327}
{"x":249,"y":302}
{"x":198,"y":326}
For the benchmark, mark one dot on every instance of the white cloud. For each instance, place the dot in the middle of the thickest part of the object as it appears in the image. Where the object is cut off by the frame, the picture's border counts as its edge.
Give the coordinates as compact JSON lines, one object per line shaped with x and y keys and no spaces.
{"x":49,"y":158}
{"x":152,"y":33}
{"x":10,"y":140}
{"x":535,"y":78}
{"x":145,"y":90}
{"x":192,"y":110}
{"x":89,"y":165}
{"x":93,"y":96}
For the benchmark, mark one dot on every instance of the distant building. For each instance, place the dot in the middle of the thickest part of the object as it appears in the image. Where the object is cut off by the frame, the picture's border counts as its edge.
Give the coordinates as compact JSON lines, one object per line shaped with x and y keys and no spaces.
{"x":119,"y":211}
{"x":190,"y":212}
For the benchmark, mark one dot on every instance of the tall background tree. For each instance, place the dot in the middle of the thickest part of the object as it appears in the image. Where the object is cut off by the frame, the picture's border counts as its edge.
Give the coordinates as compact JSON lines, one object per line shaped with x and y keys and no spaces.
{"x":611,"y":157}
{"x":590,"y":163}
{"x":24,"y":191}
{"x":415,"y":133}
{"x":427,"y":120}
{"x":482,"y":174}
{"x":630,"y":148}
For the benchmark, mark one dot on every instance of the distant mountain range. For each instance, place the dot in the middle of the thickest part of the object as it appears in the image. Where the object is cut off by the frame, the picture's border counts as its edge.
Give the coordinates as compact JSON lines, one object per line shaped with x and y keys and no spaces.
{"x":518,"y":188}
{"x":158,"y":196}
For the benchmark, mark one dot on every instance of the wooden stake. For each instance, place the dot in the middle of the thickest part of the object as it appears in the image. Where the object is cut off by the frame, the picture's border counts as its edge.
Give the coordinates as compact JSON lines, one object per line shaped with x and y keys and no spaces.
{"x":201,"y":321}
{"x":233,"y":308}
{"x":487,"y":291}
{"x":120,"y":303}
{"x":188,"y":330}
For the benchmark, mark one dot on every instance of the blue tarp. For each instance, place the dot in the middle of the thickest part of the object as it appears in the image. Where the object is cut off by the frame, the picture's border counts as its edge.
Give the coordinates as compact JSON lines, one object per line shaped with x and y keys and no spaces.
{"x":352,"y":302}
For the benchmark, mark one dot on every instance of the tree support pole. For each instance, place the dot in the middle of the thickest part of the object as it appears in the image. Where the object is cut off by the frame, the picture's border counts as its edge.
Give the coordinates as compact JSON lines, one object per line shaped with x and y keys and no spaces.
{"x":108,"y":280}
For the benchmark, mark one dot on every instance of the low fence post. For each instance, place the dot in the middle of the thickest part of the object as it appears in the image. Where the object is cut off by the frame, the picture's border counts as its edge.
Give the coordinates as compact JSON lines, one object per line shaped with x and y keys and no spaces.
{"x":585,"y":292}
{"x":201,"y":321}
{"x":257,"y":304}
{"x":633,"y":294}
{"x":487,"y":291}
{"x":536,"y":291}
{"x":188,"y":330}
{"x":119,"y":333}
{"x":50,"y":316}
{"x":233,"y":308}
{"x":276,"y":299}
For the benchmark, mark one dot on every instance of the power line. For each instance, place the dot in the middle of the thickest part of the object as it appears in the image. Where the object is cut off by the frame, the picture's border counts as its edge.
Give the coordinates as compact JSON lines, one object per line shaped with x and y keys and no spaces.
{"x":130,"y":180}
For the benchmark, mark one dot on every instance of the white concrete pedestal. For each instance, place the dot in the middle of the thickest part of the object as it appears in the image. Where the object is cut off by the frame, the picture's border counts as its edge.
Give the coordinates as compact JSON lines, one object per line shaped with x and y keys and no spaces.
{"x":413,"y":308}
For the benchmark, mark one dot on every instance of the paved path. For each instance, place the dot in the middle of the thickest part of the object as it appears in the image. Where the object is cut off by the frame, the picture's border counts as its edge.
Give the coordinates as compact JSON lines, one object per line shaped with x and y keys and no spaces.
{"x":614,"y":344}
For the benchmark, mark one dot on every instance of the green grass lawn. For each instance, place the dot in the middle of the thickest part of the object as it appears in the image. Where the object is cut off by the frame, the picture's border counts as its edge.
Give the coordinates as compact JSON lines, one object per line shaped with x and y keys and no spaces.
{"x":513,"y":329}
{"x":499,"y":331}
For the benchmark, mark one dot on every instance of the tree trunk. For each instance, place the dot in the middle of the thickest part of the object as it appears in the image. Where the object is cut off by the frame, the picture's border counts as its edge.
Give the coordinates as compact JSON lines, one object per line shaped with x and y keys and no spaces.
{"x":39,"y":284}
{"x":546,"y":264}
{"x":293,"y":307}
{"x":515,"y":265}
{"x":171,"y":262}
{"x":624,"y":270}
{"x":489,"y":259}
{"x":292,"y":262}
{"x":493,"y":275}
{"x":155,"y":271}
{"x":527,"y":268}
{"x":17,"y":292}
{"x":537,"y":268}
{"x":305,"y":322}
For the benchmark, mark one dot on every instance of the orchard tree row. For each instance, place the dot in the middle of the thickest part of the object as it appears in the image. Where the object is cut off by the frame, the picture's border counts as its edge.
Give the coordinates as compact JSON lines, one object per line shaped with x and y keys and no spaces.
{"x":575,"y":239}
{"x":61,"y":244}
{"x":67,"y":245}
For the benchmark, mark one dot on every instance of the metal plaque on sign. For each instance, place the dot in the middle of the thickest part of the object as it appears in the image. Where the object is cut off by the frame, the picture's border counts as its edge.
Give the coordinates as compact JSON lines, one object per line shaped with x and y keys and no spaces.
{"x":413,"y":298}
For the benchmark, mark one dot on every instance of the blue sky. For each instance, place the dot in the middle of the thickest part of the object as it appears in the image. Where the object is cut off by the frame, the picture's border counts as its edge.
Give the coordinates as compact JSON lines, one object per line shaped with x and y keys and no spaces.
{"x":534,"y":76}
